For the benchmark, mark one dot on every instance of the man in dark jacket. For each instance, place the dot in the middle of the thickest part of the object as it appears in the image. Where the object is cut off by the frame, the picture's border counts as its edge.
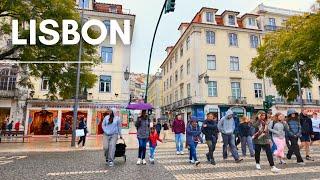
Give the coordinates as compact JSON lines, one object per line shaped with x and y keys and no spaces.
{"x":306,"y":132}
{"x":210,"y":130}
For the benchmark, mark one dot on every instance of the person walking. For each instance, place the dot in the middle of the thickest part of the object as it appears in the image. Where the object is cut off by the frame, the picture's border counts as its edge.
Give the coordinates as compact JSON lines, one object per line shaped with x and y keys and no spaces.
{"x":9,"y":127}
{"x":153,"y":138}
{"x":315,"y":128}
{"x":245,"y":135}
{"x":210,"y":130}
{"x":306,"y":132}
{"x":261,"y":140}
{"x":165,"y":131}
{"x":227,"y":126}
{"x":179,"y":128}
{"x":193,"y":138}
{"x":82,"y":125}
{"x":158,"y":127}
{"x":111,"y":126}
{"x":143,"y":131}
{"x":294,"y":133}
{"x":278,"y":128}
{"x":237,"y":139}
{"x":66,"y":128}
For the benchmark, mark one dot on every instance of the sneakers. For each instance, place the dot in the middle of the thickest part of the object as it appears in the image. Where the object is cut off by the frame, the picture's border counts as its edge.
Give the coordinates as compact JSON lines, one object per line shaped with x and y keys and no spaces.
{"x":288,"y":157}
{"x":77,"y":146}
{"x":282,"y":161}
{"x":178,"y":152}
{"x":139,"y":161}
{"x":275,"y":170}
{"x":258,"y":166}
{"x":144,"y":162}
{"x":309,"y":158}
{"x":151,"y":161}
{"x":111,"y":164}
{"x":213,"y":162}
{"x":301,"y":163}
{"x":191,"y":161}
{"x":208,"y":159}
{"x":239,"y":160}
{"x":181,"y":152}
{"x":197,"y":163}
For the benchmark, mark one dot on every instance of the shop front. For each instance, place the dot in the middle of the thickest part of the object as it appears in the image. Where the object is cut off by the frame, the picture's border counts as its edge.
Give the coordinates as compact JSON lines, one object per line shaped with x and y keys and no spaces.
{"x":239,"y":110}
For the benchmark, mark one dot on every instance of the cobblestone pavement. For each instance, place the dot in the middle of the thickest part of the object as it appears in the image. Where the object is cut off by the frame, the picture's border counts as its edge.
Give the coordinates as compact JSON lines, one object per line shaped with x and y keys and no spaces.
{"x":89,"y":164}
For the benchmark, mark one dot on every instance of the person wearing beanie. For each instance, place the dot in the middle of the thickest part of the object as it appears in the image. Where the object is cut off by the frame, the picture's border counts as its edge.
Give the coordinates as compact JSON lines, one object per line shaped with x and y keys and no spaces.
{"x":262,"y":140}
{"x":293,"y":134}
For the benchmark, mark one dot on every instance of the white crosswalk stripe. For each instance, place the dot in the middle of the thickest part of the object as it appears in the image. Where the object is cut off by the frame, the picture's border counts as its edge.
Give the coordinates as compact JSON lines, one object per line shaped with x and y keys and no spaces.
{"x":77,"y":172}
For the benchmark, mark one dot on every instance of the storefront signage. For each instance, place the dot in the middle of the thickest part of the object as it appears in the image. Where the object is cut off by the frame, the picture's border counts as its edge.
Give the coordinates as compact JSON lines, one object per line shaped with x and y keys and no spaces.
{"x":88,"y":106}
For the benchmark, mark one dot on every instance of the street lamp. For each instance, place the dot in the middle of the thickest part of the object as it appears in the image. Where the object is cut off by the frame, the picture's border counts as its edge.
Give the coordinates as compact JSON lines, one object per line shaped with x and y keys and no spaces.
{"x":298,"y":66}
{"x":204,"y":76}
{"x":126,"y":75}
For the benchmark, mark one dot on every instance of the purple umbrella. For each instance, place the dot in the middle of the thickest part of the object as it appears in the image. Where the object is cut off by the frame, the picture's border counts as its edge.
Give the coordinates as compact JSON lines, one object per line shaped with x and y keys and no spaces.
{"x":139,"y":106}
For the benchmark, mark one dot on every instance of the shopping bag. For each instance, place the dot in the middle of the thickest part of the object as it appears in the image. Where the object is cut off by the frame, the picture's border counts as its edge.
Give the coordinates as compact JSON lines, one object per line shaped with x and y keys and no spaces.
{"x":79,"y":132}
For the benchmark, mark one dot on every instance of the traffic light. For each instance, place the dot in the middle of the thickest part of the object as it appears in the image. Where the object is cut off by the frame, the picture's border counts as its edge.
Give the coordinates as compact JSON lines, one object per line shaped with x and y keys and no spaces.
{"x":269,"y":102}
{"x":170,"y":6}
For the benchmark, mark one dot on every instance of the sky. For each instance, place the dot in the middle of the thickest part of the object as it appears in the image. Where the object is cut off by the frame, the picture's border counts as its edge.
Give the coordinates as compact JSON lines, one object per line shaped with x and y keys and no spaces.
{"x":147,"y":13}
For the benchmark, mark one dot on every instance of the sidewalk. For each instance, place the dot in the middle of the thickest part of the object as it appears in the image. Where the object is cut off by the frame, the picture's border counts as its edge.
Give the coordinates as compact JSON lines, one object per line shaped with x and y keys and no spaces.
{"x":49,"y":144}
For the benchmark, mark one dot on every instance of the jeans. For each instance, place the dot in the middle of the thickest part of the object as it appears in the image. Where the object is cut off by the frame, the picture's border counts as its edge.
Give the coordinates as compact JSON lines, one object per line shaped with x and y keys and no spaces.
{"x":82,"y":139}
{"x":142,"y":148}
{"x":228,"y":139}
{"x":109,"y":146}
{"x":267,"y":148}
{"x":244,"y":142}
{"x":152,"y":151}
{"x":193,"y":151}
{"x":212,"y":147}
{"x":294,"y":149}
{"x":179,"y":142}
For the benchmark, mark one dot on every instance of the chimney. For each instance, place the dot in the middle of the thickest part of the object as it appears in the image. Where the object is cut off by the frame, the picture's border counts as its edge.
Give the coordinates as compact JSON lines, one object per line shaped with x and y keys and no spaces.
{"x":169,"y":49}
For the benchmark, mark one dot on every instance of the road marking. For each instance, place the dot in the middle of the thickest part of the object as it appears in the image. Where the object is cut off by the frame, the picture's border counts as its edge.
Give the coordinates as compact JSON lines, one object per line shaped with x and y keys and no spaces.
{"x":10,"y":159}
{"x":247,"y":173}
{"x":5,"y":162}
{"x":17,"y":157}
{"x":77,"y":172}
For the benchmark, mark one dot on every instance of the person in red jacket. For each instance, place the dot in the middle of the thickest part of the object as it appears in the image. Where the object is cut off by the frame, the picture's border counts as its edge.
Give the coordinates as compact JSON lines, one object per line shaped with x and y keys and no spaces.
{"x":17,"y":126}
{"x":179,"y":129}
{"x":153,"y":138}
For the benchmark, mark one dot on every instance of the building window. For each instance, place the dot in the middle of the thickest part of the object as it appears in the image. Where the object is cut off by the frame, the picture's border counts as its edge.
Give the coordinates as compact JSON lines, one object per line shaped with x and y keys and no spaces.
{"x":164,"y":70}
{"x":257,"y":90}
{"x":211,"y":62}
{"x":105,"y":84}
{"x":7,"y":79}
{"x":181,"y":91}
{"x":167,"y":83}
{"x":235,"y":89}
{"x":107,"y":24}
{"x":181,"y":51}
{"x":113,"y":8}
{"x":209,"y":16}
{"x":171,"y":96}
{"x":210,"y":36}
{"x":168,"y":99}
{"x":176,"y":95}
{"x":309,"y":95}
{"x":170,"y":64}
{"x":176,"y":57}
{"x":176,"y":76}
{"x":188,"y":43}
{"x":170,"y":81}
{"x":254,"y":41}
{"x":84,"y":4}
{"x":106,"y":54}
{"x":181,"y":72}
{"x":164,"y":86}
{"x":167,"y":68}
{"x":44,"y":84}
{"x":252,"y":21}
{"x":233,"y":39}
{"x":188,"y":66}
{"x":189,"y":90}
{"x":272,"y":21}
{"x":234,"y":63}
{"x":212,"y":89}
{"x":232,"y":20}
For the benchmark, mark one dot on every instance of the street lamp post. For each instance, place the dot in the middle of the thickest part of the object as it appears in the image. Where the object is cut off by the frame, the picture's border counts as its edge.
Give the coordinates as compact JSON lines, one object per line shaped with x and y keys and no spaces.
{"x":297,"y":66}
{"x":76,"y":98}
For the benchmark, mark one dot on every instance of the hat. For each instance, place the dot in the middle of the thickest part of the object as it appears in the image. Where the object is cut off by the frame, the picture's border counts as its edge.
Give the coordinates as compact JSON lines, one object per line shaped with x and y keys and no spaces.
{"x":193,"y":118}
{"x":291,"y":111}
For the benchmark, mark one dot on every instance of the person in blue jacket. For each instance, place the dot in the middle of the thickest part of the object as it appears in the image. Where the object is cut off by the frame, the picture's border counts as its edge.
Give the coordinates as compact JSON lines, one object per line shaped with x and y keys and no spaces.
{"x":193,"y":138}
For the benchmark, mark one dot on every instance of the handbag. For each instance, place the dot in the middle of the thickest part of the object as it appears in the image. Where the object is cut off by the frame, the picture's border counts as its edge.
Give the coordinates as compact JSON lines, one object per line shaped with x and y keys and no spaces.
{"x":79,"y":132}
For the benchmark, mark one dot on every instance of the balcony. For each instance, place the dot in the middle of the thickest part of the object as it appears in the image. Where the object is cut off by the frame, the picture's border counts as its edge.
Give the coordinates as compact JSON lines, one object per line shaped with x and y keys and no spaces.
{"x":179,"y":104}
{"x":281,"y":101}
{"x":9,"y":93}
{"x":272,"y":28}
{"x":237,"y":100}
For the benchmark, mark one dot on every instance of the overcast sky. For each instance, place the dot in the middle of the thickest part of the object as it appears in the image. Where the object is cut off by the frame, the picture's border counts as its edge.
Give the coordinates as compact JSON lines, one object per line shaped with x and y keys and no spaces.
{"x":147,"y":13}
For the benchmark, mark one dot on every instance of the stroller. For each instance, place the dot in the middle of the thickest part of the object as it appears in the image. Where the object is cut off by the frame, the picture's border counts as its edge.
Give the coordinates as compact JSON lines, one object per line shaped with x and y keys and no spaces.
{"x":121,"y":150}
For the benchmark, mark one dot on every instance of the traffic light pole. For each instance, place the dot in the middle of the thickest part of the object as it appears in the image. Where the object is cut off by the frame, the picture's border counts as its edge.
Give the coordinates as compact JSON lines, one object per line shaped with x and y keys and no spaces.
{"x":151,"y":49}
{"x":299,"y":85}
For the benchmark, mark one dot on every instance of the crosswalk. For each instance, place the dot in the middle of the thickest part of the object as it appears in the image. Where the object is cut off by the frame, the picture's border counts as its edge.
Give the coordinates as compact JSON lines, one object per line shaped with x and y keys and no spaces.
{"x":10,"y":159}
{"x":227,"y":169}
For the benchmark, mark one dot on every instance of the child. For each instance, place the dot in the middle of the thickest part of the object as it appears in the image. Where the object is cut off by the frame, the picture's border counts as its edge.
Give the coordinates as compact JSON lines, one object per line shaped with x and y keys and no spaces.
{"x":153,"y":138}
{"x":245,"y":134}
{"x":193,"y":138}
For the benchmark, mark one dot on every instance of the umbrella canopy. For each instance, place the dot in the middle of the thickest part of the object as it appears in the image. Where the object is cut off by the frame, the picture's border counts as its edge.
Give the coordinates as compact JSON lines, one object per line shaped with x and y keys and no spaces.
{"x":139,"y":106}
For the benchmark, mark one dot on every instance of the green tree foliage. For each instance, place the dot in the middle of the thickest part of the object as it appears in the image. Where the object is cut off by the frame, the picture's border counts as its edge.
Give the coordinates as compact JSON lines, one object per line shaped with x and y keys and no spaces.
{"x":62,"y":77}
{"x":298,"y":42}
